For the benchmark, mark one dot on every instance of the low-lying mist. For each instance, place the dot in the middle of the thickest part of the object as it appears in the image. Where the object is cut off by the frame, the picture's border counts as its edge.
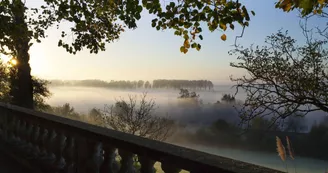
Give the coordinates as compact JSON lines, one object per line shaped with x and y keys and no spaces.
{"x":190,"y":113}
{"x":200,"y":128}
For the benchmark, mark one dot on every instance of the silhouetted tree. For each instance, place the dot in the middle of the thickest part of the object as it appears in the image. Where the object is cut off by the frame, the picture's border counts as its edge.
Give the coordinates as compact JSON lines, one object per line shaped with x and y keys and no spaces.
{"x":284,"y":79}
{"x":228,"y":98}
{"x":8,"y":73}
{"x":184,"y":93}
{"x":66,"y":110}
{"x":147,"y":84}
{"x":140,"y":83}
{"x":296,"y":124}
{"x":138,"y":118}
{"x":96,"y":116}
{"x":177,"y":84}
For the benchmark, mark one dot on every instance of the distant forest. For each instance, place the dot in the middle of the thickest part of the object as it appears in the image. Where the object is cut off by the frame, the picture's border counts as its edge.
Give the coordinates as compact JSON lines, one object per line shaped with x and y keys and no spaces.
{"x":158,"y":83}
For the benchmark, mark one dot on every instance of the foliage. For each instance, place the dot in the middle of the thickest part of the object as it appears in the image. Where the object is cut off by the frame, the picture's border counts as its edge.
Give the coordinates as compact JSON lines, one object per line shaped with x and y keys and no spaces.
{"x":184,"y":93}
{"x":283,"y":79}
{"x":228,"y":98}
{"x":222,"y":133}
{"x":4,"y":82}
{"x":95,"y":23}
{"x":138,"y":118}
{"x":295,"y":124}
{"x":185,"y":17}
{"x":99,"y":83}
{"x":147,"y":84}
{"x":95,"y":116}
{"x":66,"y":110}
{"x":177,"y":84}
{"x":100,"y":22}
{"x":158,"y":83}
{"x":40,"y":92}
{"x":140,"y":84}
{"x":306,"y":7}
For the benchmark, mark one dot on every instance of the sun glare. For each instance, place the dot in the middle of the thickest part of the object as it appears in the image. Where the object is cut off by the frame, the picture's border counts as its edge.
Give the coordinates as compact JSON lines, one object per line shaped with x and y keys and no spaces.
{"x":13,"y":62}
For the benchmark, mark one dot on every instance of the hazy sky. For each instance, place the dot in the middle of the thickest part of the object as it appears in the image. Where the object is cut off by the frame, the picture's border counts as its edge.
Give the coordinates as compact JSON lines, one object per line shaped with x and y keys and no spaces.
{"x":145,"y":53}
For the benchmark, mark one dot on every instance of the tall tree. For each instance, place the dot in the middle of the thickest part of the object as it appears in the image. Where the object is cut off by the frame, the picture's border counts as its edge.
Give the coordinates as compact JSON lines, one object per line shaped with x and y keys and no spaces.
{"x":284,"y":79}
{"x":8,"y":73}
{"x":96,"y":23}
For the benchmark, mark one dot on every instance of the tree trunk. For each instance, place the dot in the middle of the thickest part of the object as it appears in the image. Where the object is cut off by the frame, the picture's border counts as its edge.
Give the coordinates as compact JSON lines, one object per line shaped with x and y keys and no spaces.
{"x":22,"y":89}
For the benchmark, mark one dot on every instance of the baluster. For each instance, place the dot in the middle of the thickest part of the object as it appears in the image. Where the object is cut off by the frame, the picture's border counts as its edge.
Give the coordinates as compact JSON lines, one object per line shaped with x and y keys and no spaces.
{"x":19,"y":137}
{"x":27,"y":145}
{"x":28,"y":134}
{"x":95,"y":157}
{"x":12,"y":129}
{"x":147,"y":165}
{"x":16,"y":136}
{"x":168,"y":168}
{"x":82,"y":154}
{"x":110,"y":164}
{"x":22,"y":131}
{"x":127,"y":162}
{"x":2,"y":121}
{"x":70,"y":155}
{"x":59,"y":145}
{"x":43,"y":142}
{"x":6,"y":125}
{"x":35,"y":142}
{"x":50,"y":157}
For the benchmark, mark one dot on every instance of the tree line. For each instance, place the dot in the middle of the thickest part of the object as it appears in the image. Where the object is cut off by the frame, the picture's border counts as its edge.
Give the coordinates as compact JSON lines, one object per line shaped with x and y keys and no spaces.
{"x":175,"y":84}
{"x":126,"y":84}
{"x":178,"y":84}
{"x":306,"y":141}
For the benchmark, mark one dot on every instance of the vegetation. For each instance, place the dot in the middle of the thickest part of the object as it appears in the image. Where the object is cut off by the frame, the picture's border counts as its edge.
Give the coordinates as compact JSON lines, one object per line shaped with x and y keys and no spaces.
{"x":184,"y":93}
{"x":188,"y":84}
{"x":162,"y":83}
{"x":134,"y":116}
{"x":283,"y":79}
{"x":96,"y":23}
{"x":138,"y":118}
{"x":311,"y":143}
{"x":8,"y":73}
{"x":100,"y":83}
{"x":306,"y":7}
{"x":228,"y":98}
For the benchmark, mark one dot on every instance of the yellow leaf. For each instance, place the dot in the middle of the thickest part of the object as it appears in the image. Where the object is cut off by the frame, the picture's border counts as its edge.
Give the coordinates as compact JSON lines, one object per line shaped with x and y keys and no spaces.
{"x":288,"y":7}
{"x":223,"y":37}
{"x":186,"y":43}
{"x":314,"y":11}
{"x":223,"y":26}
{"x":321,"y":2}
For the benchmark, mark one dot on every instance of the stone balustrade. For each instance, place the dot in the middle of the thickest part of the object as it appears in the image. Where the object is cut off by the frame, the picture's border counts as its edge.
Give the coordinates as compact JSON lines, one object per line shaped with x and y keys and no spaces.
{"x":47,"y":143}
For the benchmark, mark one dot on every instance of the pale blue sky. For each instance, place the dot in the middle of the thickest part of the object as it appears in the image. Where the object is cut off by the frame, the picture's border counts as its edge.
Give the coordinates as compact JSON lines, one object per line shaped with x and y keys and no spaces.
{"x":148,"y":54}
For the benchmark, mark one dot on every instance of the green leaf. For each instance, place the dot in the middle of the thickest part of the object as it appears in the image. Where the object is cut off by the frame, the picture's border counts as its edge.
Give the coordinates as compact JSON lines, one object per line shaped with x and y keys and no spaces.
{"x":177,"y":33}
{"x":200,"y":37}
{"x":198,"y":47}
{"x":223,"y":26}
{"x":253,"y":13}
{"x":183,"y":49}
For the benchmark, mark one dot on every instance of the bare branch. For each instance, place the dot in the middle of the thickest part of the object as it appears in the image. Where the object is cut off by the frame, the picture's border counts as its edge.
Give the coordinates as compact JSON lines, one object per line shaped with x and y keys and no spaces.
{"x":283,"y":80}
{"x":138,"y":118}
